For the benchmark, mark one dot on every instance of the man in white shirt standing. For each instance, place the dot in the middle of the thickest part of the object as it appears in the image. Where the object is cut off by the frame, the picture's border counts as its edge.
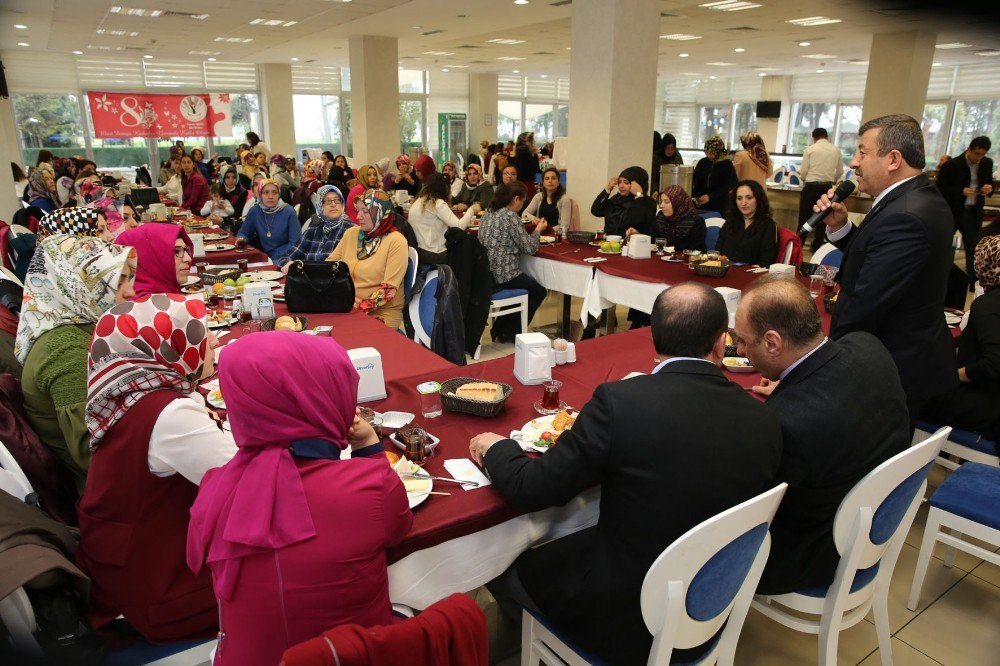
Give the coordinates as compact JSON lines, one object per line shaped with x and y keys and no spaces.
{"x":822,"y":166}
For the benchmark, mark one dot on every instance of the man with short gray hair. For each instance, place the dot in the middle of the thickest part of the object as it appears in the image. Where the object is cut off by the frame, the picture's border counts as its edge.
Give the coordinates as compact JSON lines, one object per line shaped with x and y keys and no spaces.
{"x":894,"y":274}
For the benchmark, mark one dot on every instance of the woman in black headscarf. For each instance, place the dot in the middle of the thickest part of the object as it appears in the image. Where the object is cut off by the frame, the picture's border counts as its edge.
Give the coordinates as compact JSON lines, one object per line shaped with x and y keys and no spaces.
{"x":629,"y":210}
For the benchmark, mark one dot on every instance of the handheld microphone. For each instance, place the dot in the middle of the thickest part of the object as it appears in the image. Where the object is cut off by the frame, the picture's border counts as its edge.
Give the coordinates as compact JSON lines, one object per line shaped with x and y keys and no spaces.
{"x":839,"y":195}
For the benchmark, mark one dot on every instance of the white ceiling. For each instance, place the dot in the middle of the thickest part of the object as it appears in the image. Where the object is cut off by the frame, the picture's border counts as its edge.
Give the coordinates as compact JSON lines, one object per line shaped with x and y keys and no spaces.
{"x":463,"y":28}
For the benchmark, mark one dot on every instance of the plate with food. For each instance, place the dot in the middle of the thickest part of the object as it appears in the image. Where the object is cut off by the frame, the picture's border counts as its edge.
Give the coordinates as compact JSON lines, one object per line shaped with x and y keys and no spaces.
{"x":953,"y":317}
{"x":286,"y":323}
{"x":546,"y":240}
{"x":191,"y":289}
{"x":738,"y":364}
{"x":541,"y":434}
{"x":220,"y":319}
{"x":220,"y":247}
{"x":215,"y":237}
{"x":417,"y":481}
{"x":278,"y":294}
{"x":214,"y":399}
{"x":263,"y":276}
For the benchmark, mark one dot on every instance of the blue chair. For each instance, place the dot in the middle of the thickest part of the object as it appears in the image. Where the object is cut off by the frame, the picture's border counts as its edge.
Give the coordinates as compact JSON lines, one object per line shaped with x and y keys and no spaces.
{"x":697,"y":591}
{"x":712,"y":227}
{"x":828,"y":255}
{"x":184,"y":653}
{"x":962,"y":444}
{"x":423,"y":308}
{"x":869,"y":530}
{"x":411,"y":272}
{"x":505,"y":302}
{"x":965,"y":504}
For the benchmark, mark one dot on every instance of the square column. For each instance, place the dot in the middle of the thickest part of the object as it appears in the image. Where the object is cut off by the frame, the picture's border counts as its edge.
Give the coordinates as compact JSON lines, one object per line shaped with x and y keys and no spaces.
{"x":276,"y":107}
{"x":374,"y":97}
{"x":774,"y":131}
{"x":483,"y":107}
{"x":9,"y":152}
{"x":612,"y":94}
{"x":899,"y":68}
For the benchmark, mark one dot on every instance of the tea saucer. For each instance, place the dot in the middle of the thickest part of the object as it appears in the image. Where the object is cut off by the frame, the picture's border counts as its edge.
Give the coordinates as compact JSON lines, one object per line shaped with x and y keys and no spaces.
{"x":541,"y":410}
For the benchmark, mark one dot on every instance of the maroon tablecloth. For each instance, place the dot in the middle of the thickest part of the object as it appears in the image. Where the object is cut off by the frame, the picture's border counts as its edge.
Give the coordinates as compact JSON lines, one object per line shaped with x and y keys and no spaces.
{"x":225,"y":257}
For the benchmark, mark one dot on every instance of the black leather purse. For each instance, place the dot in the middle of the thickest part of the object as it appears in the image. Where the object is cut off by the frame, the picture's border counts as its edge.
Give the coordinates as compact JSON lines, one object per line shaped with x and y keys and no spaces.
{"x":319,"y":286}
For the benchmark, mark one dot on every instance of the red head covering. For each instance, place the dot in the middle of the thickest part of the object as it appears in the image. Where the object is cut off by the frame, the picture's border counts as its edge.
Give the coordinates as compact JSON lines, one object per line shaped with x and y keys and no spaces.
{"x":256,"y":502}
{"x":350,"y":206}
{"x":424,"y":166}
{"x":154,"y":247}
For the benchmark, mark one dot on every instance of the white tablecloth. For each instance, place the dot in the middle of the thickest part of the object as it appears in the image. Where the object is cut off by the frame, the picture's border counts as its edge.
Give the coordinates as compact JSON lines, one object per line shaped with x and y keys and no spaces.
{"x":610,"y":290}
{"x":465,"y":563}
{"x":562,"y":276}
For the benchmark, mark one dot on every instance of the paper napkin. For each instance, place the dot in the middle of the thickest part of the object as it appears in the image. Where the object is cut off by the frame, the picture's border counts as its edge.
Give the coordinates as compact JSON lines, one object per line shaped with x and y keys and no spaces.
{"x":463,"y":469}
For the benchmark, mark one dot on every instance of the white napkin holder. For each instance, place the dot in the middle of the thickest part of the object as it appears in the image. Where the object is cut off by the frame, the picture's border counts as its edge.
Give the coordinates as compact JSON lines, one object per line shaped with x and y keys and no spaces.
{"x":531,"y":358}
{"x":732,"y":298}
{"x":787,"y":270}
{"x":258,"y":299}
{"x":400,"y":196}
{"x":638,"y":246}
{"x":368,"y":362}
{"x":198,"y":245}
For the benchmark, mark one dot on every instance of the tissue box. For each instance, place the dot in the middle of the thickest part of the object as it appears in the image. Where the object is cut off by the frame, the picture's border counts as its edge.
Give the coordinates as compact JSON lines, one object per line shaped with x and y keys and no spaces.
{"x":782,"y":269}
{"x":258,"y":300}
{"x":197,"y":245}
{"x":732,"y":298}
{"x":638,"y":246}
{"x":368,"y":362}
{"x":531,"y":358}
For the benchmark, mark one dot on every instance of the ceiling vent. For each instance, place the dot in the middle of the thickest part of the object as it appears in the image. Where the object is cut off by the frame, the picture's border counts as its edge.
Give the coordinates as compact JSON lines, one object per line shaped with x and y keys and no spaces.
{"x":431,"y":32}
{"x":743,"y":28}
{"x":561,"y":3}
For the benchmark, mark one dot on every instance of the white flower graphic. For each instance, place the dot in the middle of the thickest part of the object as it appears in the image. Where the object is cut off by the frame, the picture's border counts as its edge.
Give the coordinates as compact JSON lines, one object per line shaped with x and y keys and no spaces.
{"x":102,"y":103}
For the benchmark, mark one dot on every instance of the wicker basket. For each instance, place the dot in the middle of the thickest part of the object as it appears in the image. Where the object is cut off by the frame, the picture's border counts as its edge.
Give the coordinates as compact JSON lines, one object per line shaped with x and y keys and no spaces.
{"x":580,"y":236}
{"x":269,"y":324}
{"x":453,"y":403}
{"x":212,"y":276}
{"x":712,"y":271}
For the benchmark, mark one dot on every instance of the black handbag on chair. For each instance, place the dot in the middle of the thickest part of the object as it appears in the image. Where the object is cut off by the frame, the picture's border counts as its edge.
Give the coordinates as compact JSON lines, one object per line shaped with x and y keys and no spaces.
{"x":319,"y":286}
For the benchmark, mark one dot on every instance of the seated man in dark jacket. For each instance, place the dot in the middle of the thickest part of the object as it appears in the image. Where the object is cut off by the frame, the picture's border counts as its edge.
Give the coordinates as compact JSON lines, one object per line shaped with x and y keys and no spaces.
{"x":843,"y":413}
{"x":669,"y":449}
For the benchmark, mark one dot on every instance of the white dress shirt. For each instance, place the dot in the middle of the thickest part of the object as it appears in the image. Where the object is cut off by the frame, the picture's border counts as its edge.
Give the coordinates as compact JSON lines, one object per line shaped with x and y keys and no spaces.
{"x":784,"y":373}
{"x":821,"y":163}
{"x":678,"y":358}
{"x":843,"y":231}
{"x":430,"y":221}
{"x":186,"y":440}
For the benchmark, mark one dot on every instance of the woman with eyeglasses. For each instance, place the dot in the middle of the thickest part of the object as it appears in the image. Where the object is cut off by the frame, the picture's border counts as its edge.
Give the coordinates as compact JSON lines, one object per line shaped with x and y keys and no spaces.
{"x":326,"y":228}
{"x":163,"y":252}
{"x":71,"y":282}
{"x":628,"y":210}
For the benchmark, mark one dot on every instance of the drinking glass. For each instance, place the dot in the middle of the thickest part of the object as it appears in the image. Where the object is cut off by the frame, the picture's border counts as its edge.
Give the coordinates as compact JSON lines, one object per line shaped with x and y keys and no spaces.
{"x":816,"y":285}
{"x":430,"y":399}
{"x":550,"y":394}
{"x":243,"y":264}
{"x":241,"y":243}
{"x":661,"y":244}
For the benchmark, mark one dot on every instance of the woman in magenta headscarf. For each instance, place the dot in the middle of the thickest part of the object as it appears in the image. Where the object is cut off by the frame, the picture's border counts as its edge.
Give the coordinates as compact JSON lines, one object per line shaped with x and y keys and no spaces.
{"x":351,"y":205}
{"x":163,"y":252}
{"x":294,"y":536}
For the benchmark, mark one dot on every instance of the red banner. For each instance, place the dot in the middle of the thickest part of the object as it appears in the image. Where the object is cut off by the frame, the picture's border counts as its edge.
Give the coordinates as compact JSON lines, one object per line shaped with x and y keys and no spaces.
{"x":133,"y":115}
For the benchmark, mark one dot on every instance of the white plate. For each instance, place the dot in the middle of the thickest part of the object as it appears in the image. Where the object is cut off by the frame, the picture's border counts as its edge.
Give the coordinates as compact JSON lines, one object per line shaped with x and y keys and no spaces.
{"x":737,"y":368}
{"x":218,"y":325}
{"x":278,"y":295}
{"x":399,"y":445}
{"x":608,"y":252}
{"x":532,"y":430}
{"x":257,"y":276}
{"x":418,"y":497}
{"x":546,"y":240}
{"x":214,"y":398}
{"x":270,"y":284}
{"x":215,"y":237}
{"x":192,"y":279}
{"x":220,"y":247}
{"x":671,"y":260}
{"x":952,"y":319}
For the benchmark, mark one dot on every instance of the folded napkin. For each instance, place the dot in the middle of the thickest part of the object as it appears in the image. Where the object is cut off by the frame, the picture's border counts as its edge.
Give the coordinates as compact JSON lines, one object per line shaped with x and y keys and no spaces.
{"x":259,"y":264}
{"x":463,"y":469}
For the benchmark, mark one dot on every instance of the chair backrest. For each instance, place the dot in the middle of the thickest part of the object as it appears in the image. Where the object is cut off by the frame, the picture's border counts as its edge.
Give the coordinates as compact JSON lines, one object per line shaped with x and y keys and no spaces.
{"x":12,"y":478}
{"x":712,"y":227}
{"x":789,"y":247}
{"x":411,"y":271}
{"x":874,"y":517}
{"x":423,"y":308}
{"x":828,"y":255}
{"x":779,"y":174}
{"x":693,"y":586}
{"x":307,"y":224}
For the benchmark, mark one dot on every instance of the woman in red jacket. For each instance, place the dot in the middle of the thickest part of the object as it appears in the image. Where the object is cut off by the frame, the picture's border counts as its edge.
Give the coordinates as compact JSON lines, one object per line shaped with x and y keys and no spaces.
{"x":294,"y":536}
{"x":194,"y":185}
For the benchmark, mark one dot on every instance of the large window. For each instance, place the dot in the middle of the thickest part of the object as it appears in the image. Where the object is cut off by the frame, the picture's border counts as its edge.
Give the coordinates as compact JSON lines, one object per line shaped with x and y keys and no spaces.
{"x":975,"y":118}
{"x":411,"y":123}
{"x":935,"y":127}
{"x":847,"y":129}
{"x":508,"y":120}
{"x":744,"y":120}
{"x":715,"y":120}
{"x":51,"y":122}
{"x":317,"y":123}
{"x":806,"y":118}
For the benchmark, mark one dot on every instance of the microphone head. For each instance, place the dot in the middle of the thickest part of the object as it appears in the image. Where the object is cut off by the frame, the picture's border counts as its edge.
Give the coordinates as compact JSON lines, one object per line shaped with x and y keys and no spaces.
{"x":844,"y":190}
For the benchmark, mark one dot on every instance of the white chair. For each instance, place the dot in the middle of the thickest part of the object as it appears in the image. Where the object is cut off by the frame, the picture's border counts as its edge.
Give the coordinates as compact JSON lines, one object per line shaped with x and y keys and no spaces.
{"x":965,"y":445}
{"x":423,"y":308}
{"x":19,"y":618}
{"x":307,"y":224}
{"x":505,"y":302}
{"x":411,"y":271}
{"x":12,"y":478}
{"x":965,"y":504}
{"x":712,"y":227}
{"x":828,"y":255}
{"x":869,"y":530}
{"x":702,"y":581}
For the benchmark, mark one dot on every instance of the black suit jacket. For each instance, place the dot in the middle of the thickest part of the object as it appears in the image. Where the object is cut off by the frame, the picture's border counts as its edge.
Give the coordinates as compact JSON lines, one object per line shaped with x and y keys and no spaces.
{"x":954,"y":176}
{"x":843,"y":413}
{"x":669,"y":450}
{"x":893,"y":281}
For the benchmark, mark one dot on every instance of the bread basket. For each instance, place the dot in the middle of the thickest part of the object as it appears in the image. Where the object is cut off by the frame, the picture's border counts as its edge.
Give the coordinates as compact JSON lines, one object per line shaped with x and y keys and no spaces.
{"x":270,"y":323}
{"x":712,"y":271}
{"x":212,"y":276}
{"x":580,"y":236}
{"x":453,"y":403}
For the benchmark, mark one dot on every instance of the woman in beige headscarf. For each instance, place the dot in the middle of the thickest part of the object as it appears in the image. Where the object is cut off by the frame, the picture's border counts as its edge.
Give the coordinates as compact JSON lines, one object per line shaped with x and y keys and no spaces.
{"x":753,"y":162}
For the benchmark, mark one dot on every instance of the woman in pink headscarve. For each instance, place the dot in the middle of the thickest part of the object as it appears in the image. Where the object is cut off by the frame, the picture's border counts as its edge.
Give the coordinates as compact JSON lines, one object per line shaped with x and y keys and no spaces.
{"x":294,"y":536}
{"x":163,"y":253}
{"x":351,"y":205}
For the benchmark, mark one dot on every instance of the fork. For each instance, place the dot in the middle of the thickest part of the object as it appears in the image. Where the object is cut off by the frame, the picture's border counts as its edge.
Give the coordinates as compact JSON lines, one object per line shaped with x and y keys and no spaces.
{"x":474,"y":484}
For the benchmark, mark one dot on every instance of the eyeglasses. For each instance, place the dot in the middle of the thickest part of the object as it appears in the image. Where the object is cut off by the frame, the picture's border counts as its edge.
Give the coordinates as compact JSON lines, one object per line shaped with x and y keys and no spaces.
{"x":180,"y":252}
{"x":331,"y":202}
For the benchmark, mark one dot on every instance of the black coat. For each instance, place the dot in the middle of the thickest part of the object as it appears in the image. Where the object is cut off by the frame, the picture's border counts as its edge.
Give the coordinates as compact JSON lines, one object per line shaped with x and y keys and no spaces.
{"x":448,"y":332}
{"x":893,"y":281}
{"x":717,"y":180}
{"x":954,"y":176}
{"x":526,"y":164}
{"x":843,"y":413}
{"x":471,"y":265}
{"x":685,"y":234}
{"x":761,"y":248}
{"x":621,"y":213}
{"x":669,"y":450}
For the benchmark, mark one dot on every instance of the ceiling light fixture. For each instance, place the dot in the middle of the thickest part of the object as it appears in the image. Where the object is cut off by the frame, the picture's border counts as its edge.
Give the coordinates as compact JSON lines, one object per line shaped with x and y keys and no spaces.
{"x":520,"y":2}
{"x":820,"y":56}
{"x":23,"y":44}
{"x":731,"y":5}
{"x":77,"y":52}
{"x":135,"y":11}
{"x":20,"y":26}
{"x":544,"y":76}
{"x":509,"y":58}
{"x":819,"y":71}
{"x":988,"y":53}
{"x":517,"y":71}
{"x":445,"y":69}
{"x":719,"y":64}
{"x":762,"y":74}
{"x":439,"y":53}
{"x":712,"y":77}
{"x":680,"y":37}
{"x":738,"y":50}
{"x":811,"y":21}
{"x":936,"y":64}
{"x":273,"y":22}
{"x":507,"y":42}
{"x":147,"y":57}
{"x":211,"y":59}
{"x":294,"y":59}
{"x":683,"y":55}
{"x":952,"y":45}
{"x":805,"y":43}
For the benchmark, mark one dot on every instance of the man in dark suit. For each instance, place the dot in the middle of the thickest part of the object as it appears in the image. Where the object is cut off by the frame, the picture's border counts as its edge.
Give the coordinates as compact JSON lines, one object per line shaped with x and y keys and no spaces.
{"x":853,"y":383}
{"x":965,"y":182}
{"x":669,"y":449}
{"x":894,"y":274}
